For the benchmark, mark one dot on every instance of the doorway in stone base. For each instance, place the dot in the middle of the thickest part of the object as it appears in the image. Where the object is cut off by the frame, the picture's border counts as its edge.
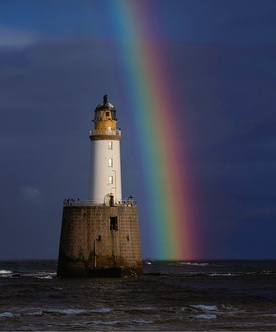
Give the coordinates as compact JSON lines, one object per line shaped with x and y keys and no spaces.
{"x":113,"y":223}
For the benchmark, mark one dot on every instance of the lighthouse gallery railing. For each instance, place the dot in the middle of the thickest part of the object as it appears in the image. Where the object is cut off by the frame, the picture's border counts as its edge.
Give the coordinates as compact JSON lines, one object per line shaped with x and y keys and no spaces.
{"x":72,"y":202}
{"x":116,"y":132}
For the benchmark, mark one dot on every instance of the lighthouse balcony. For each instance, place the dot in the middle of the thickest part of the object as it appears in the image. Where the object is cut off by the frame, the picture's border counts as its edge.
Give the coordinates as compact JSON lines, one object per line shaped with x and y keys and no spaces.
{"x":103,"y":132}
{"x":72,"y":202}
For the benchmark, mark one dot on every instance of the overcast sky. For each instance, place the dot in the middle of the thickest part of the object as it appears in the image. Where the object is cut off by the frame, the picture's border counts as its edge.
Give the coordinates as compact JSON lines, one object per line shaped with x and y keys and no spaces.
{"x":55,"y":69}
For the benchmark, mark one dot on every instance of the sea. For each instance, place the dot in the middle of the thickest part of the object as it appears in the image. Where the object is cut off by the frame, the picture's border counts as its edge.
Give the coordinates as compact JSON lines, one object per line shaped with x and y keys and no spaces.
{"x":220,"y":295}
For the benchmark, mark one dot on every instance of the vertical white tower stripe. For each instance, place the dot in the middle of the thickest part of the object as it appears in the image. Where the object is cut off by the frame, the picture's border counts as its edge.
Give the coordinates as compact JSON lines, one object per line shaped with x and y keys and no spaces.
{"x":105,"y":164}
{"x":105,"y":179}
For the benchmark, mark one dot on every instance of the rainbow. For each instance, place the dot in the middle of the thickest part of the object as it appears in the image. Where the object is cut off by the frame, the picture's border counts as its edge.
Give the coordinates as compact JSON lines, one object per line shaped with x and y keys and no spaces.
{"x":149,"y":86}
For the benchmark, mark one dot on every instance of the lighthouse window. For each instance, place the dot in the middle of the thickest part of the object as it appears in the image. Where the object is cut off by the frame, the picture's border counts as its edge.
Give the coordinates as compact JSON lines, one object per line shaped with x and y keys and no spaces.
{"x":110,"y":162}
{"x":113,"y":223}
{"x":110,"y":179}
{"x":110,"y":145}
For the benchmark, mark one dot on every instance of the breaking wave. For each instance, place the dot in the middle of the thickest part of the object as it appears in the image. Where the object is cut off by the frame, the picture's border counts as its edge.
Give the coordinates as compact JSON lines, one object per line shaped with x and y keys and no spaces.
{"x":205,"y":307}
{"x":206,"y":316}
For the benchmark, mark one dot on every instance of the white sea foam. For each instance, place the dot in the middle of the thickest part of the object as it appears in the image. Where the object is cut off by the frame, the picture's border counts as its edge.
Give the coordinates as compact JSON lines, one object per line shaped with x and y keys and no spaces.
{"x":5,"y":272}
{"x":114,"y":322}
{"x":71,"y":311}
{"x":100,"y":322}
{"x":185,"y":308}
{"x":45,"y":277}
{"x":144,"y":308}
{"x":66,"y":311}
{"x":205,"y":307}
{"x":270,"y":315}
{"x":6,"y":314}
{"x":40,"y":275}
{"x":206,"y":316}
{"x":143,"y":321}
{"x":193,"y":263}
{"x":223,"y":274}
{"x":35,"y":312}
{"x":103,"y":310}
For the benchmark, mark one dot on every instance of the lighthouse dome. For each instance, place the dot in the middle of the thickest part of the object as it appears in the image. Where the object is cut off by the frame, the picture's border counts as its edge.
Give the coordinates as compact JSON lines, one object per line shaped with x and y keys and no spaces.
{"x":105,"y":105}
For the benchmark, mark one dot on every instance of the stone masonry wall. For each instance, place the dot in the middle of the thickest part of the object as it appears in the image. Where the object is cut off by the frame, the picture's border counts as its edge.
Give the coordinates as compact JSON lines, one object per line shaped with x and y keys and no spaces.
{"x":88,"y":242}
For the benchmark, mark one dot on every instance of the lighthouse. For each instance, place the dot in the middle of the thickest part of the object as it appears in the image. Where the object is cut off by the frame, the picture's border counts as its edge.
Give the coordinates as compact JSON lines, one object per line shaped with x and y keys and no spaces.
{"x":105,"y":167}
{"x":100,"y":236}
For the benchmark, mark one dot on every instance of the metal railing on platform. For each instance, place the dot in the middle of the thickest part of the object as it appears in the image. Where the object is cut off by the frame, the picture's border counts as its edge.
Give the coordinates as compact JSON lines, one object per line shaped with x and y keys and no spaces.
{"x":77,"y":202}
{"x":105,"y":132}
{"x":127,"y":202}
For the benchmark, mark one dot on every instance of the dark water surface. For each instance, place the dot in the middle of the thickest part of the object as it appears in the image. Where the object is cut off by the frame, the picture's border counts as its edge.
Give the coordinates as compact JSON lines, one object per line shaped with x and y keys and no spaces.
{"x":171,"y":296}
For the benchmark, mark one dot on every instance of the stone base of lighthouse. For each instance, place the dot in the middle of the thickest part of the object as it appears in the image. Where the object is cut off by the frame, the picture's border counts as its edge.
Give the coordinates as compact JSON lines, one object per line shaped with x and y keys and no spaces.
{"x":100,"y":241}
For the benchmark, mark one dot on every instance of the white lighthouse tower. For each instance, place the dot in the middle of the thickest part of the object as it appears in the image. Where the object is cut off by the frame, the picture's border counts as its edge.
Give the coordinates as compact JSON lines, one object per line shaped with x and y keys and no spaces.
{"x":101,"y":238}
{"x":105,"y":167}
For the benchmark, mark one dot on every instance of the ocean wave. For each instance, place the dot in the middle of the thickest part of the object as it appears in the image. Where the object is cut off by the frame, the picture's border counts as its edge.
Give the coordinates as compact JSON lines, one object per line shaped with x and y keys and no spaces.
{"x":193,"y":263}
{"x":42,"y":275}
{"x":206,"y":316}
{"x":101,"y":310}
{"x":269,"y":315}
{"x":72,"y":311}
{"x":6,"y":315}
{"x":38,"y":275}
{"x":144,"y":308}
{"x":122,"y":322}
{"x":222,"y":274}
{"x":34,"y":312}
{"x":6,"y":273}
{"x":204,"y":307}
{"x":142,"y":321}
{"x":190,"y":263}
{"x":100,"y":322}
{"x":241,"y":274}
{"x":65,"y":311}
{"x":52,"y":311}
{"x":141,"y":310}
